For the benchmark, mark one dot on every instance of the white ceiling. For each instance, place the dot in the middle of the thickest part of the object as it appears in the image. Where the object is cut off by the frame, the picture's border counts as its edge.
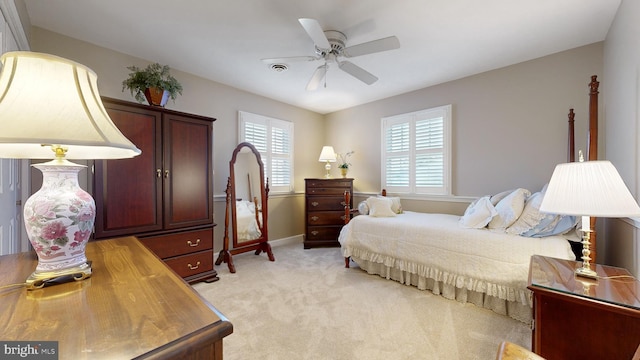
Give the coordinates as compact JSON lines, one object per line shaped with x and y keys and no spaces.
{"x":224,"y":40}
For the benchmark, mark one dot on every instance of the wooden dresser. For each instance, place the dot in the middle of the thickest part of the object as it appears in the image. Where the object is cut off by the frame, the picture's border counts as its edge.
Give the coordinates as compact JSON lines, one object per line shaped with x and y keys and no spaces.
{"x":586,"y":319}
{"x":324,"y":206}
{"x":133,"y":306}
{"x":165,"y":195}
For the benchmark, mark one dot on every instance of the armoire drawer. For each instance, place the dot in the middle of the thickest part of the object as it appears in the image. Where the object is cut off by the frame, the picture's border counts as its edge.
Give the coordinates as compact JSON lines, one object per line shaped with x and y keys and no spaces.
{"x":187,"y":242}
{"x":192,"y":264}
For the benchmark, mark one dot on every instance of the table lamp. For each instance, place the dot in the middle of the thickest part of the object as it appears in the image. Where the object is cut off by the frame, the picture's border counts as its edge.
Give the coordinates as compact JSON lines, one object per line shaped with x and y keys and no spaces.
{"x":327,"y":155}
{"x":50,"y":108}
{"x":588,"y":188}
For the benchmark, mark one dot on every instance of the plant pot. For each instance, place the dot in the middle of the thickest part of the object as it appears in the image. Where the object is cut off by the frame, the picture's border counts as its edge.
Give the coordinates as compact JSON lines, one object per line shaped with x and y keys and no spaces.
{"x":344,"y":172}
{"x":156,"y":97}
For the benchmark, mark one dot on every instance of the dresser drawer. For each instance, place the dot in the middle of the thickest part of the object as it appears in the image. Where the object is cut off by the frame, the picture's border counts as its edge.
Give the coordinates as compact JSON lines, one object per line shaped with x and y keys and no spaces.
{"x":180,"y":243}
{"x":328,"y":183}
{"x":325,"y":218}
{"x":326,"y":191}
{"x":323,"y":233}
{"x":316,"y":203}
{"x":192,"y":264}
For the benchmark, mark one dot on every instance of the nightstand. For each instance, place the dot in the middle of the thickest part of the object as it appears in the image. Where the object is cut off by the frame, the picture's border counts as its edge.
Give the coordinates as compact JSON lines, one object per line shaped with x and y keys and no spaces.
{"x":583,"y":319}
{"x":324,"y":206}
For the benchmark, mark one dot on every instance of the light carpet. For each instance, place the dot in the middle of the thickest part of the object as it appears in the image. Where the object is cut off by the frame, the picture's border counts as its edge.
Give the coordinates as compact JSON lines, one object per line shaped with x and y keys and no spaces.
{"x":306,"y":305}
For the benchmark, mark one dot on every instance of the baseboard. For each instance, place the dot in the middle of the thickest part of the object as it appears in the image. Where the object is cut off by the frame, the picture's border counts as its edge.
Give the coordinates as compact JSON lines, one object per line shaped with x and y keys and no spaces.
{"x":296,"y":239}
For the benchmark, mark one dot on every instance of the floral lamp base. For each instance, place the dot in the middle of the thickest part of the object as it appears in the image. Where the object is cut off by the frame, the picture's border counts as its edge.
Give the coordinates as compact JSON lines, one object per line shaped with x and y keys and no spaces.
{"x":59,"y":219}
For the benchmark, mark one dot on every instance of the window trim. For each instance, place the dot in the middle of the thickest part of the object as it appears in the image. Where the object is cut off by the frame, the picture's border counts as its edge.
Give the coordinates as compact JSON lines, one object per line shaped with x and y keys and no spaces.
{"x":411,"y":118}
{"x":247,"y":117}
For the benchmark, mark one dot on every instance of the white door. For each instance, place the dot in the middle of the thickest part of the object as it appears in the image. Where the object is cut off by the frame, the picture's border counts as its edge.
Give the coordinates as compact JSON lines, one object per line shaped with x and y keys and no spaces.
{"x":10,"y":219}
{"x":10,"y":169}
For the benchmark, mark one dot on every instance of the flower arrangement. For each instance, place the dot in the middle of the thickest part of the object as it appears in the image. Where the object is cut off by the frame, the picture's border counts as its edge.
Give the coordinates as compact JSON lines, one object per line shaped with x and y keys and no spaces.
{"x":344,"y":163}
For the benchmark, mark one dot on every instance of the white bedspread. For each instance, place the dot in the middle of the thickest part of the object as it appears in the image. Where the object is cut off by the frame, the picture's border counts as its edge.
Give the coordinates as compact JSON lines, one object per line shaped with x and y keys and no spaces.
{"x":434,"y":246}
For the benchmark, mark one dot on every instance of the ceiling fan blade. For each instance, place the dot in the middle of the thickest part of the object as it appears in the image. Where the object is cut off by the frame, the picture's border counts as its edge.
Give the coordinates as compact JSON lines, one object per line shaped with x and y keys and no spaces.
{"x":315,"y":32}
{"x":357,"y":72}
{"x":290,"y":59}
{"x":317,"y":77}
{"x":388,"y":43}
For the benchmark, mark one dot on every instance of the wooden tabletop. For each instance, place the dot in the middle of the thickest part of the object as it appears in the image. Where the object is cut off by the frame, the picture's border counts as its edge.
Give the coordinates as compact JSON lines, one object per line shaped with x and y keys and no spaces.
{"x":133,"y":305}
{"x":614,"y":285}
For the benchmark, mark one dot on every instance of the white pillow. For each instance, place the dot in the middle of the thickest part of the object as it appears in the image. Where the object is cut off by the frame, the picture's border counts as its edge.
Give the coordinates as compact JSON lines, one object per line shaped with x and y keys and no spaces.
{"x":530,"y":217}
{"x":396,"y":206}
{"x":495,"y":199}
{"x":478,"y":214}
{"x":380,"y":207}
{"x":363,"y":208}
{"x":509,"y":209}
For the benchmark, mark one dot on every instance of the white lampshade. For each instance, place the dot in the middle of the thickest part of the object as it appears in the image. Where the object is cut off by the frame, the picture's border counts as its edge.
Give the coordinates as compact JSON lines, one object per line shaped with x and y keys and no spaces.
{"x":327,"y":154}
{"x":49,"y":100}
{"x":590,"y":188}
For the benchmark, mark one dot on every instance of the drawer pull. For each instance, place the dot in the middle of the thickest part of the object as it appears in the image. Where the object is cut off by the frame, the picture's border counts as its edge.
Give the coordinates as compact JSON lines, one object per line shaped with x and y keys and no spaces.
{"x":314,"y":218}
{"x":315,"y":203}
{"x":343,"y":203}
{"x":191,"y":267}
{"x":193,"y":244}
{"x":158,"y":173}
{"x":314,"y":232}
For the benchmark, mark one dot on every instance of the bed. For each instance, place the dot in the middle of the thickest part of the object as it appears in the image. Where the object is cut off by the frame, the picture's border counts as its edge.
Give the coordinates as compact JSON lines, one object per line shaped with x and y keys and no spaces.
{"x":481,"y":257}
{"x":247,"y":220}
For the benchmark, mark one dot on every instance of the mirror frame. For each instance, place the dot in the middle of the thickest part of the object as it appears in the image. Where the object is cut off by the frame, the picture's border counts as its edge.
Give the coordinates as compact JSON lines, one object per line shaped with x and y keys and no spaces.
{"x":261,"y":243}
{"x":263,"y":197}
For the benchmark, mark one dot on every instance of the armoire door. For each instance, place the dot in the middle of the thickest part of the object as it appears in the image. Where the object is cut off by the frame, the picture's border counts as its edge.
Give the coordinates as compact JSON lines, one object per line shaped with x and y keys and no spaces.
{"x":188,"y":189}
{"x":128,"y":192}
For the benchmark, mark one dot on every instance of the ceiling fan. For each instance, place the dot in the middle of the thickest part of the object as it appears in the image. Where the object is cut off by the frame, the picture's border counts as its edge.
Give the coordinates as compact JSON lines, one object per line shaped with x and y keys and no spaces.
{"x":330,"y":47}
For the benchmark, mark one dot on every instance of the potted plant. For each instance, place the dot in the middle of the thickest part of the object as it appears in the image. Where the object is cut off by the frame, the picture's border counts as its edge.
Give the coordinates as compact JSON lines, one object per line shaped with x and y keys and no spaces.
{"x":344,"y":163}
{"x":154,"y":83}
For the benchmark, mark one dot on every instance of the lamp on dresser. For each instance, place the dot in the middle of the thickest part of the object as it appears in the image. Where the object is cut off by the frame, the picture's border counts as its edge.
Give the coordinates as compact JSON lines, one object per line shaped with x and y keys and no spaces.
{"x":328,"y":156}
{"x":588,"y":188}
{"x":50,"y":108}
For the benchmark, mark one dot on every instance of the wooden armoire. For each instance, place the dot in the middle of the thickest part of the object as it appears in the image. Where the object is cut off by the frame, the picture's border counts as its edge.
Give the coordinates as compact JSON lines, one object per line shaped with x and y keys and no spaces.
{"x":164,"y":196}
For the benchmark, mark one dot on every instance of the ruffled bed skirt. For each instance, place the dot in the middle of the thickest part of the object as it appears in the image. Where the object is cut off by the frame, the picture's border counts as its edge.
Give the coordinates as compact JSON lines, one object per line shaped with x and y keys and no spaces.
{"x":519,"y":308}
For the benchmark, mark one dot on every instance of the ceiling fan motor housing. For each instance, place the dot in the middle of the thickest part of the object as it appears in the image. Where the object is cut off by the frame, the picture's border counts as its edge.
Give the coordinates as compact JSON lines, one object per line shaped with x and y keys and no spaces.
{"x":337,"y":40}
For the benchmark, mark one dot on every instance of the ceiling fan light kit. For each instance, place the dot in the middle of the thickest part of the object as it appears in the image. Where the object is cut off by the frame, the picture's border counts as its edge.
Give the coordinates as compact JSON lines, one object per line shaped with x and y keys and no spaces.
{"x":330,"y":47}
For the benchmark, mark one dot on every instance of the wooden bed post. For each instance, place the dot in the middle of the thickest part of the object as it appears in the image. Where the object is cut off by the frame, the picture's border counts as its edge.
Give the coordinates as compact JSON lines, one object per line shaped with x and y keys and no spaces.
{"x":571,"y":153}
{"x":592,"y":147}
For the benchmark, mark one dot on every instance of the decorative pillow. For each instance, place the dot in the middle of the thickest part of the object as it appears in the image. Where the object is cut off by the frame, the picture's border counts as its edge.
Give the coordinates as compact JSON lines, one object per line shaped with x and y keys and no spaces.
{"x":495,"y":199}
{"x":396,"y":206}
{"x":533,"y":223}
{"x":380,"y":207}
{"x":478,"y":214}
{"x":363,"y":208}
{"x":509,"y":209}
{"x":530,"y":217}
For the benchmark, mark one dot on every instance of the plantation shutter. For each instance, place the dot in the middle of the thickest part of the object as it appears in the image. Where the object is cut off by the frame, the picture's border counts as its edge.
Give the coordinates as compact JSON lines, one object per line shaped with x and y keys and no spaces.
{"x":273,"y":138}
{"x":416,"y":152}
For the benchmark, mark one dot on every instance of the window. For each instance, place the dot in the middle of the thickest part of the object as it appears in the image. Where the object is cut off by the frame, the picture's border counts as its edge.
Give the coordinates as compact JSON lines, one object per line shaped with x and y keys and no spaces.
{"x":273,"y":138}
{"x":416,"y":152}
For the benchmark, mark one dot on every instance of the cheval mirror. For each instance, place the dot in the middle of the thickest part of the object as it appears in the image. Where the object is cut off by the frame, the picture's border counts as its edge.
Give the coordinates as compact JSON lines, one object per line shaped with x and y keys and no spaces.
{"x":247,"y":195}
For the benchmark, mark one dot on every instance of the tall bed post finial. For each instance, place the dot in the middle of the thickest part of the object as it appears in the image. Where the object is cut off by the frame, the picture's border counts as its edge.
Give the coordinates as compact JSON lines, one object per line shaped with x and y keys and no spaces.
{"x":571,"y":153}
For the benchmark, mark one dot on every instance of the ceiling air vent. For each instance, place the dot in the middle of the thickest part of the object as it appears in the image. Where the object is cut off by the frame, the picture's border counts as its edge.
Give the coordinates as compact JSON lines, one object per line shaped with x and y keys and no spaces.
{"x":279,"y":67}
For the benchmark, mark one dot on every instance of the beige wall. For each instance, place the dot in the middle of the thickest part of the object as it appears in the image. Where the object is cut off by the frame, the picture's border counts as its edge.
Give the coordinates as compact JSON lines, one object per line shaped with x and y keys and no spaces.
{"x":622,"y":108}
{"x":216,"y":100}
{"x":509,"y":125}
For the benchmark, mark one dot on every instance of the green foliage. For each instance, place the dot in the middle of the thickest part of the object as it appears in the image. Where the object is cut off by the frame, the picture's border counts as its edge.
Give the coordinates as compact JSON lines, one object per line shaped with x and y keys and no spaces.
{"x":154,"y":75}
